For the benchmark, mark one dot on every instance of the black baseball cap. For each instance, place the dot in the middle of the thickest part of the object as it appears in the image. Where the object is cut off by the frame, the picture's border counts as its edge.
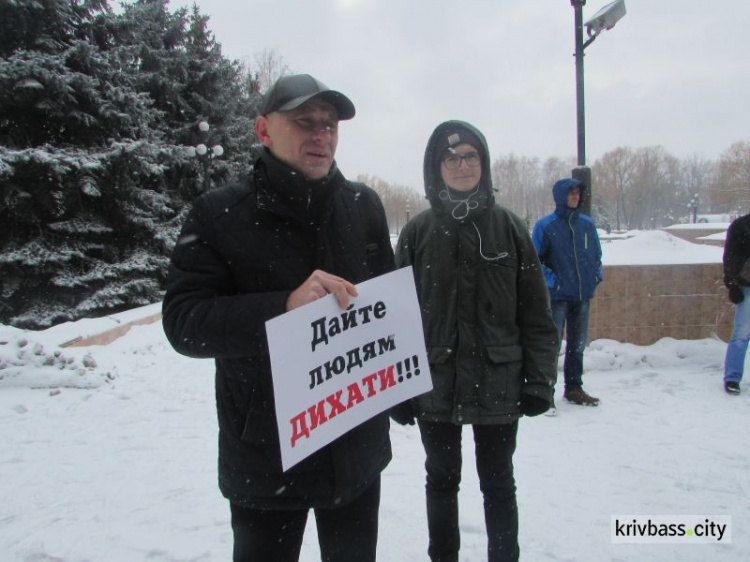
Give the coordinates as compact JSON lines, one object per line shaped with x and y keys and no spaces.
{"x":290,"y":92}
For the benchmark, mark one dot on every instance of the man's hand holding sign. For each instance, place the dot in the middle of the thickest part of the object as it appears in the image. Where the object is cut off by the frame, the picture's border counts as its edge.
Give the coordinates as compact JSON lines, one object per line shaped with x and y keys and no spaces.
{"x":319,"y":285}
{"x":342,"y":359}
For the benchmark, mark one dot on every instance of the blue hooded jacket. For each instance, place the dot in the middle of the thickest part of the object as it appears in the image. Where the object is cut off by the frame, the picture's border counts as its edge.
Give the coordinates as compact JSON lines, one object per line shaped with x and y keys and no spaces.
{"x":569,"y":248}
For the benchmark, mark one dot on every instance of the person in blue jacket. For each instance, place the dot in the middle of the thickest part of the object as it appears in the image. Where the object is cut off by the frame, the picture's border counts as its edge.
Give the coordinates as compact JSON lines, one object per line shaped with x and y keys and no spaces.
{"x":571,"y":256}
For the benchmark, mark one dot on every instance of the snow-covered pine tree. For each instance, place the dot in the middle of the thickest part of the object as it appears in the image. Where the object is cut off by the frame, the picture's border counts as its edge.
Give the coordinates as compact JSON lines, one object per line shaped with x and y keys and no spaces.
{"x":95,"y":110}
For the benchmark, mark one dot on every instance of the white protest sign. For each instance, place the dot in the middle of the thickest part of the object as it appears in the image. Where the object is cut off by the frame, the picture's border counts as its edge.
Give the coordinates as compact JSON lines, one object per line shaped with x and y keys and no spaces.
{"x":334,"y":369}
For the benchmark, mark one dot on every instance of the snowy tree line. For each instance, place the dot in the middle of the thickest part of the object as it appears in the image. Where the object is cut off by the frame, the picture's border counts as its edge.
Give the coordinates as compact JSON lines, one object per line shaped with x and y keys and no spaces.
{"x":96,"y":109}
{"x":642,"y":188}
{"x":401,"y":202}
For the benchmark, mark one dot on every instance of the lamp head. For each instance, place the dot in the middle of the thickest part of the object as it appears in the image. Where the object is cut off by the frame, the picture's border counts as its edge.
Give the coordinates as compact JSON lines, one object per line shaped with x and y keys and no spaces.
{"x":606,"y":18}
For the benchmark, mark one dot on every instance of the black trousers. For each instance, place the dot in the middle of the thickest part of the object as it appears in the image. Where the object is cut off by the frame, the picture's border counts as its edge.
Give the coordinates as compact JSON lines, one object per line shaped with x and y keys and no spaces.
{"x":494,"y":445}
{"x":345,"y":533}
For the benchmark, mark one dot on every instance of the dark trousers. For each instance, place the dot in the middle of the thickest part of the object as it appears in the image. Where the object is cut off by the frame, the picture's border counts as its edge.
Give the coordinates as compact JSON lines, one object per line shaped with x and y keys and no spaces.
{"x":345,"y":533}
{"x":494,"y":446}
{"x":572,"y":317}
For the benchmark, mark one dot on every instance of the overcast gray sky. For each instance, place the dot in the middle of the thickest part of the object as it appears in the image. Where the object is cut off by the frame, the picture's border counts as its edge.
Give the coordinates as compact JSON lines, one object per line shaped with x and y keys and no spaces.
{"x":674,"y":73}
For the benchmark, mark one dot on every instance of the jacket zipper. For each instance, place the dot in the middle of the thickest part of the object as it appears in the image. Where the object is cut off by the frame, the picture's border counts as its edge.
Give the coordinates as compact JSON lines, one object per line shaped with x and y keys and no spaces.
{"x":575,"y":256}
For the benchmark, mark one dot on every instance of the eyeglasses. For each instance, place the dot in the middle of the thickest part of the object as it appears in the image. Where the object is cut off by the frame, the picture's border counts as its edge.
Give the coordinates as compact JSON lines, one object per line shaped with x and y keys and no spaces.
{"x":453,"y":162}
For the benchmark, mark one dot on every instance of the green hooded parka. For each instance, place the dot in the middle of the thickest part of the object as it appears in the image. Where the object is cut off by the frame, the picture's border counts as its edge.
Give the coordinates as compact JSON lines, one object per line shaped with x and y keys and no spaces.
{"x":485,"y":308}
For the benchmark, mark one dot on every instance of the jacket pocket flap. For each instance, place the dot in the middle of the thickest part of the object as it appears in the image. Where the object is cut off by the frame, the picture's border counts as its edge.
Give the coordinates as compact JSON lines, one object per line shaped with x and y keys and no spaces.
{"x":439,"y":355}
{"x":505,"y":353}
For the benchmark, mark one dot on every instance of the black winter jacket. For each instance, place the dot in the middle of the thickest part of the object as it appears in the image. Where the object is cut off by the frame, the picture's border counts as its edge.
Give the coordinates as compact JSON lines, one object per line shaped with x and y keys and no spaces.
{"x":242,"y":250}
{"x":736,"y":254}
{"x":486,"y":315}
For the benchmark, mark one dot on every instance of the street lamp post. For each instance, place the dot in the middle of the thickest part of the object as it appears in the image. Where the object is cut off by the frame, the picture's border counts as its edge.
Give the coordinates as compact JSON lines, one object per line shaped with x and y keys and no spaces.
{"x":606,"y":18}
{"x":580,"y":112}
{"x":205,"y":154}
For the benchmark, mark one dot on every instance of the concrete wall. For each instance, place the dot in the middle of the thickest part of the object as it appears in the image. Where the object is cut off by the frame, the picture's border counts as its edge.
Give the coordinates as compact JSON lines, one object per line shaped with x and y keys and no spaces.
{"x":641,"y":304}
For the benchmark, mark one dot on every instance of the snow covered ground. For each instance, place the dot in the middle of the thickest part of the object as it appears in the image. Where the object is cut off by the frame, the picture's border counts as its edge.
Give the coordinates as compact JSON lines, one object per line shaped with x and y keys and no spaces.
{"x":109,"y":454}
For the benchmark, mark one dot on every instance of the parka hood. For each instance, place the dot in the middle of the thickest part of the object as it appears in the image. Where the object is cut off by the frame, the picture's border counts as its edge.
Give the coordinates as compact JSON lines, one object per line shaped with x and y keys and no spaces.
{"x":561,"y":189}
{"x":433,"y":180}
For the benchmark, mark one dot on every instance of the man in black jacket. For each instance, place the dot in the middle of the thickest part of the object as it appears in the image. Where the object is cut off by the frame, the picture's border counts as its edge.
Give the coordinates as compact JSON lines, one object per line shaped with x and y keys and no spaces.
{"x":737,"y":280}
{"x":291,"y":232}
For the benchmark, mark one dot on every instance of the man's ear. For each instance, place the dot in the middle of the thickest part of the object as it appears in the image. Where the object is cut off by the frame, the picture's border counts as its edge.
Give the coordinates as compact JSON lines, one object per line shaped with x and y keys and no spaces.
{"x":261,"y":131}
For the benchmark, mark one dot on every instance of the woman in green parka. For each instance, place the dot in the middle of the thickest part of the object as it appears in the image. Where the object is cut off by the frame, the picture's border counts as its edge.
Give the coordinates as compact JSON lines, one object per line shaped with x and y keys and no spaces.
{"x":490,"y":337}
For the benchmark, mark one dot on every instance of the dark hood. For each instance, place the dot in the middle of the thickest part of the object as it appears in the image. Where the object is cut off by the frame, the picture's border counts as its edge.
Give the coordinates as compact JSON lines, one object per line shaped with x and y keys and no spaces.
{"x":433,"y":181}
